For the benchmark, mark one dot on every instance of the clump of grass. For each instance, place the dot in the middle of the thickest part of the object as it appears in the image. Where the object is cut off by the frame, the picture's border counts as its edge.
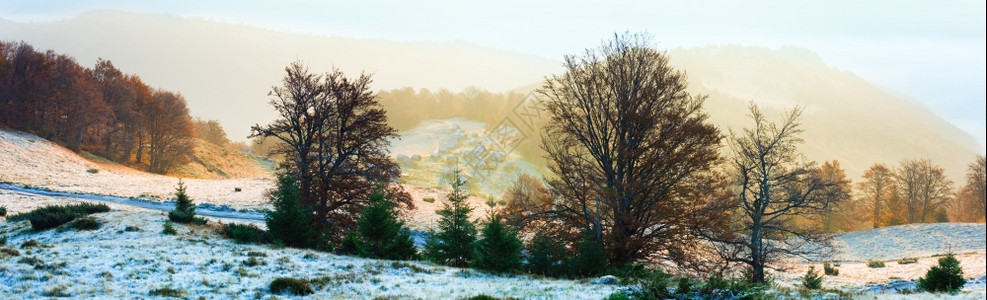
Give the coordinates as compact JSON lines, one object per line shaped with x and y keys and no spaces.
{"x":87,"y":223}
{"x":909,"y":260}
{"x":30,"y":244}
{"x":253,"y":261}
{"x":5,"y":252}
{"x":256,"y":254}
{"x":92,"y":170}
{"x":57,"y":291}
{"x":167,"y":292}
{"x":3,"y":240}
{"x":237,"y":189}
{"x":169,"y":228}
{"x":293,"y":286}
{"x":831,"y":270}
{"x":3,"y":211}
{"x":131,"y":229}
{"x":875,"y":264}
{"x":429,"y":200}
{"x":30,"y":260}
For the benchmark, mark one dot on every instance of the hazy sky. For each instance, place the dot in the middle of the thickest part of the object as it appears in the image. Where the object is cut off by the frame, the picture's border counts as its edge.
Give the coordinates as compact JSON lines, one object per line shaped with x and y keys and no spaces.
{"x":932,"y":51}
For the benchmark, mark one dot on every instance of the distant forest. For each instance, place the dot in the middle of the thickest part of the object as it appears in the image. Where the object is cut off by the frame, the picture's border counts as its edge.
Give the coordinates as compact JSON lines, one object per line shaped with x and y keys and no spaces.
{"x":100,"y":110}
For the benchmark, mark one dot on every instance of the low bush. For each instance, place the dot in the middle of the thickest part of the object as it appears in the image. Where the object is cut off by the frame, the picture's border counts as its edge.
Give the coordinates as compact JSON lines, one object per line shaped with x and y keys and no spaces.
{"x":429,"y":199}
{"x":811,"y":280}
{"x":93,"y":171}
{"x":30,"y":244}
{"x":248,"y":233}
{"x":3,"y":211}
{"x":294,"y":286}
{"x":947,"y":276}
{"x":87,"y":223}
{"x":905,"y":261}
{"x":55,"y":215}
{"x":830,"y":270}
{"x":236,"y":189}
{"x":875,"y":264}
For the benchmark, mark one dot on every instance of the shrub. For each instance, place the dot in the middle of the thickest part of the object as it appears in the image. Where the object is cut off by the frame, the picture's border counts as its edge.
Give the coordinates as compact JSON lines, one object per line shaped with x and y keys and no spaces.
{"x":945,"y":277}
{"x":905,"y":261}
{"x":294,"y":286}
{"x":289,"y":223}
{"x":379,"y":233}
{"x":875,"y":264}
{"x":812,"y":280}
{"x":30,"y":244}
{"x":499,"y":250}
{"x":169,"y":228}
{"x":167,"y":292}
{"x":87,"y":223}
{"x":453,"y":243}
{"x":50,"y":217}
{"x":237,"y":189}
{"x":3,"y":240}
{"x":246,"y":233}
{"x":184,"y":208}
{"x":3,"y":211}
{"x":92,"y":170}
{"x":429,"y":200}
{"x":830,"y":270}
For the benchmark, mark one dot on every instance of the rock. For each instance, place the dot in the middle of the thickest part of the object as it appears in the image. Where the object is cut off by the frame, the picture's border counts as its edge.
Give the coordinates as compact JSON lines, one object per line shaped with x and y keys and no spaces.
{"x":608,"y":280}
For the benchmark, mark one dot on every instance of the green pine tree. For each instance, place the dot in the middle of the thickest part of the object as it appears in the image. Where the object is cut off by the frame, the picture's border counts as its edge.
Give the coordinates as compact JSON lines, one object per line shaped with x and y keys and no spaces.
{"x":499,"y":250}
{"x":945,"y":277}
{"x":379,"y":233}
{"x":453,"y":243}
{"x":289,"y":223}
{"x":545,"y":255}
{"x":591,"y":260}
{"x":184,"y":211}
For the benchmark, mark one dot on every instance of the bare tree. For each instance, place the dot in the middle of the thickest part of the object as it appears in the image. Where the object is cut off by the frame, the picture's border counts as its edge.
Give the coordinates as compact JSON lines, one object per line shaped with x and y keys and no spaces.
{"x":335,"y":137}
{"x":877,"y":192}
{"x":775,"y":183}
{"x":924,"y":188}
{"x":976,"y":187}
{"x":169,"y":130}
{"x":631,"y":150}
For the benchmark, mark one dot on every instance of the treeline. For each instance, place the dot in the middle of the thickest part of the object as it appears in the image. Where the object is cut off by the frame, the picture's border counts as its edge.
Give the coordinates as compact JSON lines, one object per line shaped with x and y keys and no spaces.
{"x":100,"y":110}
{"x":914,"y":191}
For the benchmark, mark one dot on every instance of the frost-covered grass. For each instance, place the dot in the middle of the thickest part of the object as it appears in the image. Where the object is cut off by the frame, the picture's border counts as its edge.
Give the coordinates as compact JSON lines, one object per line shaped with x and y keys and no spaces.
{"x":128,"y":257}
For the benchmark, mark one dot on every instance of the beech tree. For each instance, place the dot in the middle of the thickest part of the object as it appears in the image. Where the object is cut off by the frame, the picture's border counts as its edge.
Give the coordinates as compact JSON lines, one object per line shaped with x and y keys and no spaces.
{"x":631,"y":151}
{"x":924,"y":189}
{"x":973,"y":196}
{"x":775,"y":184}
{"x":878,"y":195}
{"x":335,"y":140}
{"x":168,"y":128}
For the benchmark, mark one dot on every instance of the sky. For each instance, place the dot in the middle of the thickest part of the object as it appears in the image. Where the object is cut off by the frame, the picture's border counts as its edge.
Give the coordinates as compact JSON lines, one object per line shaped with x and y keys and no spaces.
{"x":929,"y":51}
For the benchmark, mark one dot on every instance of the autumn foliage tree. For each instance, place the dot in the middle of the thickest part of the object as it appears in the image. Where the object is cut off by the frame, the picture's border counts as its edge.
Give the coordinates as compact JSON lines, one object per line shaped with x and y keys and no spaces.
{"x":335,"y":138}
{"x":631,"y":151}
{"x":100,"y":110}
{"x":878,"y":196}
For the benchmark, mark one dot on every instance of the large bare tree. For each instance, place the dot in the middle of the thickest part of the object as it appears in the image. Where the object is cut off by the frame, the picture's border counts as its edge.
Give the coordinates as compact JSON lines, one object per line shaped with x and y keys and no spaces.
{"x":631,"y":150}
{"x":924,"y":188}
{"x":335,"y":138}
{"x":775,"y":184}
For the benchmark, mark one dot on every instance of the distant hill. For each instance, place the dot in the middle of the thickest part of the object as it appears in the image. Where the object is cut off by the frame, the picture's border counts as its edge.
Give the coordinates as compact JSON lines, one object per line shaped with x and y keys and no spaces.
{"x":225,"y":72}
{"x":846,"y":117}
